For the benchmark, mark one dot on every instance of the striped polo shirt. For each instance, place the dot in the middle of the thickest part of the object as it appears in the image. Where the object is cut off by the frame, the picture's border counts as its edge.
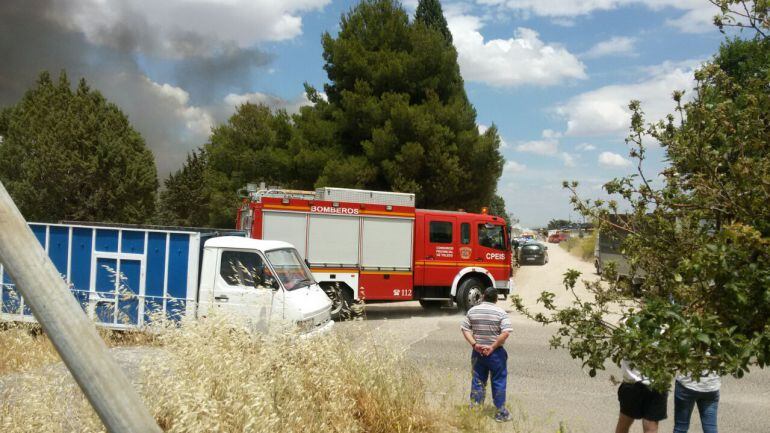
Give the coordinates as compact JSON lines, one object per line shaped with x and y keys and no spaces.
{"x":487,"y":321}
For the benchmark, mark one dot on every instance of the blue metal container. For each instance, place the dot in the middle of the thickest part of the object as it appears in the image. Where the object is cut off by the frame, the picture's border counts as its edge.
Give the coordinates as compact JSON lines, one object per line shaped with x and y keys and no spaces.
{"x":123,"y":276}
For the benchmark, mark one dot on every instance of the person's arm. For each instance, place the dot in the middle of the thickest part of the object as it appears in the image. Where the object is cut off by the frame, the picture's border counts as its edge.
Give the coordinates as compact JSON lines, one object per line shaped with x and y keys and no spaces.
{"x":472,"y":341}
{"x":498,"y":343}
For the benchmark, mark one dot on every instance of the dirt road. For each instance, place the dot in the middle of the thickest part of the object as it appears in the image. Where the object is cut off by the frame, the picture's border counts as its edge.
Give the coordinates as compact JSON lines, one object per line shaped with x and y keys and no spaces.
{"x":545,"y":386}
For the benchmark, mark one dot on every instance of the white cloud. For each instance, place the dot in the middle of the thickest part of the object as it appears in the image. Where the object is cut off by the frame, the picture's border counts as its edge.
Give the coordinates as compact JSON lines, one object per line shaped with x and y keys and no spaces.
{"x":585,"y":147}
{"x":605,"y":110}
{"x":196,"y":119}
{"x":610,"y":159}
{"x":292,"y":106}
{"x":569,"y":160}
{"x":697,"y":16}
{"x":547,"y":146}
{"x":174,"y":26}
{"x":550,"y":133}
{"x":512,"y":167}
{"x":695,"y":21}
{"x":523,"y":59}
{"x":615,"y":46}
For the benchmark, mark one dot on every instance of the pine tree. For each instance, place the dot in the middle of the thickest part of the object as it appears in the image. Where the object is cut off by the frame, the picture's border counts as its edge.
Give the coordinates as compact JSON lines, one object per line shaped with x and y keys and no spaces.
{"x":401,"y":118}
{"x":72,"y":155}
{"x":430,"y":14}
{"x":252,"y":146}
{"x":185,"y":199}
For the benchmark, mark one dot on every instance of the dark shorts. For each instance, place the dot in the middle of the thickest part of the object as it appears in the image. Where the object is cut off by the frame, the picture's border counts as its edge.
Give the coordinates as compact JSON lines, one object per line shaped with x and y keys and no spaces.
{"x":638,"y":401}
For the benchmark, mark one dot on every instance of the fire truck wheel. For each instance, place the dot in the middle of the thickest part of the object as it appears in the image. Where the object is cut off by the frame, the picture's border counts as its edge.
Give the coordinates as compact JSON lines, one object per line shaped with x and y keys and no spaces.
{"x":431,"y":305}
{"x":470,"y":293}
{"x":342,"y":301}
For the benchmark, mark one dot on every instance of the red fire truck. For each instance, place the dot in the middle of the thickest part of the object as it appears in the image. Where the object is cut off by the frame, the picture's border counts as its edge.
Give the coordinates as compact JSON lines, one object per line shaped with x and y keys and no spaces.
{"x":376,"y":246}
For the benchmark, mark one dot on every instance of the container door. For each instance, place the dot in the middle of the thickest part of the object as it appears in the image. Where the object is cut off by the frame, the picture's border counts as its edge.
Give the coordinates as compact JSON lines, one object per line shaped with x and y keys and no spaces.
{"x":242,"y":288}
{"x":440,"y":253}
{"x":117,"y":286}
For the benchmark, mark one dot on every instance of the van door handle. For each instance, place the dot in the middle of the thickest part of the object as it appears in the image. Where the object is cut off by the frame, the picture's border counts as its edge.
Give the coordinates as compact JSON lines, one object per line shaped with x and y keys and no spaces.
{"x":222,"y":298}
{"x":429,"y":257}
{"x":479,"y":259}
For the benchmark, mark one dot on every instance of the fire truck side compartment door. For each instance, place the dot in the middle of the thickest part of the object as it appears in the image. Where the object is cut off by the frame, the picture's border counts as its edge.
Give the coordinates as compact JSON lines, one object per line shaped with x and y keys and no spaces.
{"x":387,"y":243}
{"x":333,"y":240}
{"x":289,"y":227}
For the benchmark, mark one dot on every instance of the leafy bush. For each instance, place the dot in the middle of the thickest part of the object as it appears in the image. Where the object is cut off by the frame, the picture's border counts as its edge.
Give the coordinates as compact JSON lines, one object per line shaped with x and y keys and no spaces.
{"x":581,"y":247}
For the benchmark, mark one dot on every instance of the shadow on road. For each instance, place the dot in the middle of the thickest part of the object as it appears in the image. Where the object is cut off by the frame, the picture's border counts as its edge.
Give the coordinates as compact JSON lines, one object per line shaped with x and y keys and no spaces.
{"x":405,"y":310}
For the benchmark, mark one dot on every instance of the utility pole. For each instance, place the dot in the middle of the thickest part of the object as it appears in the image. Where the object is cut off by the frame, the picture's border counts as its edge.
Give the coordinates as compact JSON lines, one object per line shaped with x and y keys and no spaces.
{"x":74,"y":336}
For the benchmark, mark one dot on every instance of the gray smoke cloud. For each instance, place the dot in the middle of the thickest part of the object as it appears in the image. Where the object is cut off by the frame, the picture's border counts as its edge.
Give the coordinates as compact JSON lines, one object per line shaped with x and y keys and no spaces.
{"x":38,"y":35}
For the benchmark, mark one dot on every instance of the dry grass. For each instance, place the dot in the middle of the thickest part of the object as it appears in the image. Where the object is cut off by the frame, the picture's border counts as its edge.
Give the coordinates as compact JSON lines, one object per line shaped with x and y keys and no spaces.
{"x":25,"y":347}
{"x":213,"y":378}
{"x":581,"y":247}
{"x":209,"y":376}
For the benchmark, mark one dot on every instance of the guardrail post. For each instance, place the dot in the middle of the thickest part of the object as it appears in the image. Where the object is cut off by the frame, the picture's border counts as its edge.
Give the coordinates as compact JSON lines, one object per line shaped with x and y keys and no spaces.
{"x":73,"y":335}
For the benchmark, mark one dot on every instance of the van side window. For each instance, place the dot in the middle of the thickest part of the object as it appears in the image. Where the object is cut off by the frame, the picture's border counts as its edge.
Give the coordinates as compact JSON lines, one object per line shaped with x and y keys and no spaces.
{"x":465,"y":233}
{"x":242,"y":268}
{"x":491,"y":236}
{"x":440,"y":232}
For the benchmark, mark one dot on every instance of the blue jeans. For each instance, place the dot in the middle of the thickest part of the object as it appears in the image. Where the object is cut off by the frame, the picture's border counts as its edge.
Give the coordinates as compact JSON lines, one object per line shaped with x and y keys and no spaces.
{"x":496,"y":364}
{"x":685,"y":399}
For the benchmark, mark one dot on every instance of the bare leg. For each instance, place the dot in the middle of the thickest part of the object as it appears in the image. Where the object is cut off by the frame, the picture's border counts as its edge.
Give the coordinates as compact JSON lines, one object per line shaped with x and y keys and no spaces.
{"x":650,"y":426}
{"x":624,"y":424}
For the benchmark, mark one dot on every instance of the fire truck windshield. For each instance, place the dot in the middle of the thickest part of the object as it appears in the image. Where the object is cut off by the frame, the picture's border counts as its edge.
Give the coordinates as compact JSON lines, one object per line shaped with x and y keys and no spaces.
{"x":491,"y":236}
{"x":289,"y":268}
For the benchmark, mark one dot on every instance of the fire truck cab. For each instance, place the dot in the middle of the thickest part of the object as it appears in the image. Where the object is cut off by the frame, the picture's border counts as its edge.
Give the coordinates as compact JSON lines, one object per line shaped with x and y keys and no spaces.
{"x":374,"y":246}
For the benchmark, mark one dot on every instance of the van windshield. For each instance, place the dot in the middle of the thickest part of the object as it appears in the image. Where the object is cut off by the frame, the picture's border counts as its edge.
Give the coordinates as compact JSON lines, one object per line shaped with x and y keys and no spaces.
{"x":290,"y":268}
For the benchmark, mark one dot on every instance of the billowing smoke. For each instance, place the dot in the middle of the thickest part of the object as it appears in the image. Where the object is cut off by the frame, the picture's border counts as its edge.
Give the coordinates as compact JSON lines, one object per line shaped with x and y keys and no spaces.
{"x":209,"y":49}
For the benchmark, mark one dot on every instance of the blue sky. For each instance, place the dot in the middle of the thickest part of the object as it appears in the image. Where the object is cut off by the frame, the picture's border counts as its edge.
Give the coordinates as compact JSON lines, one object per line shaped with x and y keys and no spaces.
{"x":555,"y":76}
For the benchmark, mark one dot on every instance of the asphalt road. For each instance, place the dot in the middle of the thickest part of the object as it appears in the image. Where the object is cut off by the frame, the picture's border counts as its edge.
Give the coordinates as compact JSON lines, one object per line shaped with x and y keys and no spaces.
{"x":545,"y":386}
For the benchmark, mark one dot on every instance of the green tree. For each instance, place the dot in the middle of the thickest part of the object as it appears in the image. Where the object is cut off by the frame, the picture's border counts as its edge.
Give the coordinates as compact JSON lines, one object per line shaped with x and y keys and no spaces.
{"x":702,"y":239}
{"x":556,"y":224}
{"x":497,"y":208}
{"x":72,"y":155}
{"x":430,"y":14}
{"x":252,"y":146}
{"x":397,"y":116}
{"x":185,"y":199}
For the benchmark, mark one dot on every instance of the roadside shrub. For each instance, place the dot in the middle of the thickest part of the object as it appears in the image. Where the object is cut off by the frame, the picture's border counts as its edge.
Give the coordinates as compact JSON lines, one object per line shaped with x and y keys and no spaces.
{"x":581,"y":247}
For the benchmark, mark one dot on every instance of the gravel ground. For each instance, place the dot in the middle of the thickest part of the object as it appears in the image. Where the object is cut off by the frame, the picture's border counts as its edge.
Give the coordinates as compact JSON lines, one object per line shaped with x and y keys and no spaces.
{"x":545,"y":386}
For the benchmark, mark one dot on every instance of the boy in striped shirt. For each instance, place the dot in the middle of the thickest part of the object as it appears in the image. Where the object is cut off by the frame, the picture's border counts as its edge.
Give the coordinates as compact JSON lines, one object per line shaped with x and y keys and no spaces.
{"x":485,"y":328}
